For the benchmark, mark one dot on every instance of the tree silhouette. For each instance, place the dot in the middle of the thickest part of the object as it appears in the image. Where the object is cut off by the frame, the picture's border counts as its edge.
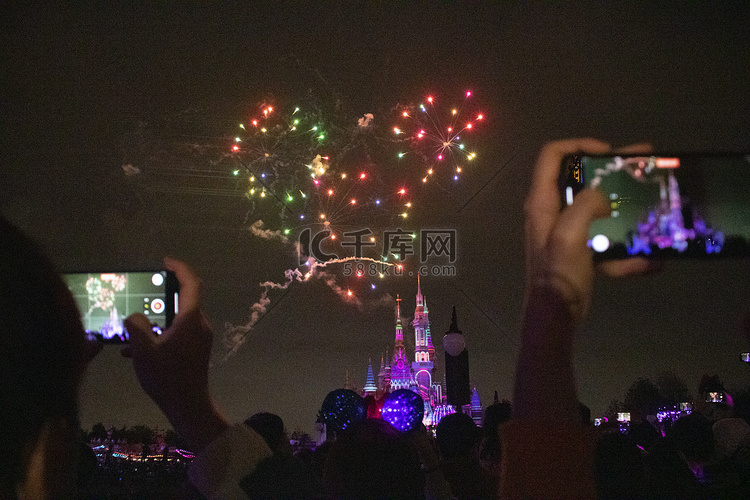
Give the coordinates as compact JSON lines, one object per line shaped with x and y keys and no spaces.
{"x":98,"y":431}
{"x":615,"y":407}
{"x":642,"y":397}
{"x":647,"y":397}
{"x":140,"y":434}
{"x":673,"y":389}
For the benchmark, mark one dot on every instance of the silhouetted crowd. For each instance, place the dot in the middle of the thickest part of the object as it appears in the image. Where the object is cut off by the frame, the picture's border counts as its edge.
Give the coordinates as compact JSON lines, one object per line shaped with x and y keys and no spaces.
{"x":697,"y":456}
{"x":543,"y":448}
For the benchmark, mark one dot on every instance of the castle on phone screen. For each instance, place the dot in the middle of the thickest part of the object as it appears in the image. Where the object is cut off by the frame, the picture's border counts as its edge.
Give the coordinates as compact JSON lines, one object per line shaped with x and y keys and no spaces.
{"x":671,"y":223}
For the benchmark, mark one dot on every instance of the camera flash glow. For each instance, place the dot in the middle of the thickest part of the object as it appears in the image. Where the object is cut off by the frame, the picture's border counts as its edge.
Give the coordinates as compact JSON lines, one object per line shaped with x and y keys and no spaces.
{"x":600,"y":243}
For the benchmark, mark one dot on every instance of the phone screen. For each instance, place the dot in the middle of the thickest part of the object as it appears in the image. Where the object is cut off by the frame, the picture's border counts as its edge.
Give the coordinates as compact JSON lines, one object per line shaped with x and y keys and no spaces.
{"x":666,"y":206}
{"x":106,"y":299}
{"x":715,"y":397}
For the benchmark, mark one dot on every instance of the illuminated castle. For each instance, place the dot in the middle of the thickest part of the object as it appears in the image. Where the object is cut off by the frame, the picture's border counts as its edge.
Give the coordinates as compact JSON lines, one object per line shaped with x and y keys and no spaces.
{"x":417,"y":375}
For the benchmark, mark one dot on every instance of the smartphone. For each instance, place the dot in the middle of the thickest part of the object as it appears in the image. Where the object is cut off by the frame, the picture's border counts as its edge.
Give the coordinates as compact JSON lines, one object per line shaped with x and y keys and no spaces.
{"x":694,"y":205}
{"x":715,"y":397}
{"x":105,"y":299}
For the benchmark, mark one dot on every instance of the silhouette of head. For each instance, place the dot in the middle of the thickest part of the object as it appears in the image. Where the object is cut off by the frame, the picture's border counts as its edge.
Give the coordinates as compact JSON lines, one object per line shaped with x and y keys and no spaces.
{"x":373,"y":460}
{"x":41,"y":353}
{"x":456,"y":435}
{"x":269,"y":426}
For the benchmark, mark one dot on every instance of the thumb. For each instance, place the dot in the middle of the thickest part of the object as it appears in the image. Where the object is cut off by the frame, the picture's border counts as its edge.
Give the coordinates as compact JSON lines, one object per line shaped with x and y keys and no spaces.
{"x":139,"y":331}
{"x":589,"y":205}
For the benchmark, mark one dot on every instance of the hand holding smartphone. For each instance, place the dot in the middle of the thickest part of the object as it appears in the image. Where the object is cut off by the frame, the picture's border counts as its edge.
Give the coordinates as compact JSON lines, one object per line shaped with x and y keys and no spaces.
{"x":693,"y":205}
{"x":105,"y":299}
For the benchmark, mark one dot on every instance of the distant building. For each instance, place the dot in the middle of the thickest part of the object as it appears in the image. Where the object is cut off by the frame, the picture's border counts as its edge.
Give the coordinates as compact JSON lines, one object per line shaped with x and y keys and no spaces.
{"x":418,"y":375}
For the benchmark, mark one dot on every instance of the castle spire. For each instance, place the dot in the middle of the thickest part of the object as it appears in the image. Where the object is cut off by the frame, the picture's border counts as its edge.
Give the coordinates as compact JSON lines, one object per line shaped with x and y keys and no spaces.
{"x":399,"y":328}
{"x":422,"y":366}
{"x":370,"y":387}
{"x":400,"y":369}
{"x":454,"y":323}
{"x":430,"y":347}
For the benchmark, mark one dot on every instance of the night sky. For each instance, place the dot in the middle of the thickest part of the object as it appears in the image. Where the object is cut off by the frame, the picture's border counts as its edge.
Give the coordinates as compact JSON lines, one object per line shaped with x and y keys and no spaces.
{"x":78,"y":81}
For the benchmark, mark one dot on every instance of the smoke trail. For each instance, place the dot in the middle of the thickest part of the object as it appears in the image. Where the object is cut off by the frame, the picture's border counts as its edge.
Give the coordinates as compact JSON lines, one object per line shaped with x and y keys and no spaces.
{"x":258,"y":229}
{"x":236,"y":335}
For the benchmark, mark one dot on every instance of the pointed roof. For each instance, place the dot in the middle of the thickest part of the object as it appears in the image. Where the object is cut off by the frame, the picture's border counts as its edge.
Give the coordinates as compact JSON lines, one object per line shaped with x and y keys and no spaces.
{"x":399,"y":329}
{"x":454,"y":323}
{"x":370,"y":383}
{"x":476,"y":403}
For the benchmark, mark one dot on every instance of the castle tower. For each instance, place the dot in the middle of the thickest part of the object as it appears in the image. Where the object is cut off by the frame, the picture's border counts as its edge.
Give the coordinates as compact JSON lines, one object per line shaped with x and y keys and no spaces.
{"x":400,"y":369}
{"x":430,"y":347}
{"x":457,"y":388}
{"x":370,"y":387}
{"x":476,"y":408}
{"x":381,"y":375}
{"x":387,"y":378}
{"x":423,"y":366}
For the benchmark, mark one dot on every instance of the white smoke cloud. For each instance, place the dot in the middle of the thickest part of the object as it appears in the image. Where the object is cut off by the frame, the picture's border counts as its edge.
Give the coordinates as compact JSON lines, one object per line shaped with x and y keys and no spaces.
{"x":129,"y":170}
{"x":319,"y":165}
{"x":365,"y":121}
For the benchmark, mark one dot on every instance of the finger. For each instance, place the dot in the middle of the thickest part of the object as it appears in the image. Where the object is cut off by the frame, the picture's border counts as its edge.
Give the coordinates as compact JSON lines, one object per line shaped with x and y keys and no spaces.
{"x":573,"y":222}
{"x":139,"y":331}
{"x":190,"y":284}
{"x":638,"y":148}
{"x":547,"y":167}
{"x":543,"y":201}
{"x":636,"y":266}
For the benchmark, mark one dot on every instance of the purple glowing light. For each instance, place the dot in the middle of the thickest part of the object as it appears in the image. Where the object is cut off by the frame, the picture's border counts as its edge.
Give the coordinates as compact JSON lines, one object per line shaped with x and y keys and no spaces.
{"x":404,"y":410}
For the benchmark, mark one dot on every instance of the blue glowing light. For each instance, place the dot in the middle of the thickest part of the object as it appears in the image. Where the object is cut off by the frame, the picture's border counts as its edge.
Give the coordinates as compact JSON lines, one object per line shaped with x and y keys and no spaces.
{"x":342,"y":408}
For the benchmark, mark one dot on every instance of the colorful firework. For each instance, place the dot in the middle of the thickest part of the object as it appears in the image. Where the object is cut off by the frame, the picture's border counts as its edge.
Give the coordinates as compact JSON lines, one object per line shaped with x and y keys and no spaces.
{"x":317,"y":173}
{"x":318,"y":180}
{"x":432,"y":138}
